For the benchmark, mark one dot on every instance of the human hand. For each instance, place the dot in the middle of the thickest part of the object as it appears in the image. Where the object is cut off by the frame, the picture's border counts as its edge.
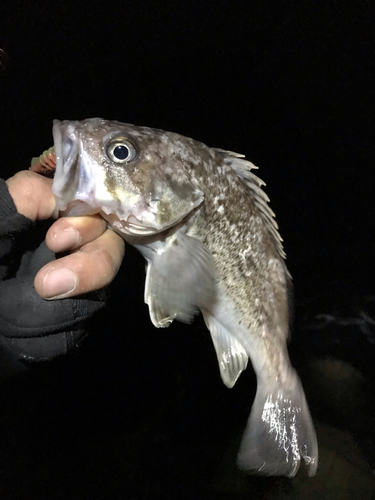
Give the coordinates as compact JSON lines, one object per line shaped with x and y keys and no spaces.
{"x":33,"y":329}
{"x":95,"y":254}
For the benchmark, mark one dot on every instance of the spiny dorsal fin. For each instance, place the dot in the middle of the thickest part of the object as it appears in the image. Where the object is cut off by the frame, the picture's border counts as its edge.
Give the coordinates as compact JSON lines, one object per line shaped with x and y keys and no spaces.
{"x":254,"y":184}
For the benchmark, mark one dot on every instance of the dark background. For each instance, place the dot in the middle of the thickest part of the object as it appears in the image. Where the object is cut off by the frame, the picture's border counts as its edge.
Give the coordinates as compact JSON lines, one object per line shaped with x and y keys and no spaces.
{"x":289,"y":84}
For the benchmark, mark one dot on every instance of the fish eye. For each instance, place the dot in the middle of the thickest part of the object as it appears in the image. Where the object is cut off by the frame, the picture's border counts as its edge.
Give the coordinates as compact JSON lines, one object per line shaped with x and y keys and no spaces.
{"x":121,"y":150}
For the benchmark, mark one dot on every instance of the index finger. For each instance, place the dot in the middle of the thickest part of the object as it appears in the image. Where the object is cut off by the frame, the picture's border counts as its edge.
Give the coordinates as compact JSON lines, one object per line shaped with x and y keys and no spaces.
{"x":92,"y":267}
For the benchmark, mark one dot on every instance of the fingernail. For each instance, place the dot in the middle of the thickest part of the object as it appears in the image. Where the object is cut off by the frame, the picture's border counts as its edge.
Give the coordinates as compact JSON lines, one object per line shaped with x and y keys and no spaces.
{"x":58,"y":283}
{"x":66,"y":239}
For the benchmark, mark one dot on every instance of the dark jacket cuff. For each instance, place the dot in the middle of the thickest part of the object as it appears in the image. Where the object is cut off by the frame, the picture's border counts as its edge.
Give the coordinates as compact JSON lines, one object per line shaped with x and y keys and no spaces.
{"x":12,"y":225}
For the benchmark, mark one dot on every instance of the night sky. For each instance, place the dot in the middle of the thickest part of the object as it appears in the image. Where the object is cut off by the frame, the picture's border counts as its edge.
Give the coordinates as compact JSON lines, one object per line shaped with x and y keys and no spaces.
{"x":290,"y":84}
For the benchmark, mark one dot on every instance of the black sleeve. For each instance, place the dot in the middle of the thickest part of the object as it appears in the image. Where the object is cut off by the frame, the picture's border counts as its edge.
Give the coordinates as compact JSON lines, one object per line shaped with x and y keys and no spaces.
{"x":31,"y":328}
{"x":12,"y":226}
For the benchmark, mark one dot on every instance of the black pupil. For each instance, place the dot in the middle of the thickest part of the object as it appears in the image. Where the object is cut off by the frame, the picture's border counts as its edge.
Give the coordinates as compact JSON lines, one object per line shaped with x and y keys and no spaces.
{"x":121,"y":152}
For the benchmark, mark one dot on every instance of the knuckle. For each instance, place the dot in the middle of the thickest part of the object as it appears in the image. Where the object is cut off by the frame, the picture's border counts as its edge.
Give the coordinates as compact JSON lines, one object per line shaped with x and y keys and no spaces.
{"x":90,"y":226}
{"x":107,"y":265}
{"x":97,"y":269}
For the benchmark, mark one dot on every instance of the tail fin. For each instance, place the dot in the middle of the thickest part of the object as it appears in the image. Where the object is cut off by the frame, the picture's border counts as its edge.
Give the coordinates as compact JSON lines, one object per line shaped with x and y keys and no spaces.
{"x":279,"y":431}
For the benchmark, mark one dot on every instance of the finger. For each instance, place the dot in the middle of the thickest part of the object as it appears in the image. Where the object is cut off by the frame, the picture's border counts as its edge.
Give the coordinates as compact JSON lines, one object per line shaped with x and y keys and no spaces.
{"x":69,"y":233}
{"x":50,"y":161}
{"x":32,"y":194}
{"x":45,"y":165}
{"x":91,"y":268}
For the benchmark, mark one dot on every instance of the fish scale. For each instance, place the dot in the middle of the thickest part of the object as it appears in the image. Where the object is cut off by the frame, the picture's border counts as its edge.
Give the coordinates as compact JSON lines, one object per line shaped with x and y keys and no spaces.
{"x":201,"y":220}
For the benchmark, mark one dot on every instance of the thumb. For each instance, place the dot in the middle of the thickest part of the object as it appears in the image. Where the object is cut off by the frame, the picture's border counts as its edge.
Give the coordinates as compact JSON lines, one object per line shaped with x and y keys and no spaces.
{"x":32,"y":194}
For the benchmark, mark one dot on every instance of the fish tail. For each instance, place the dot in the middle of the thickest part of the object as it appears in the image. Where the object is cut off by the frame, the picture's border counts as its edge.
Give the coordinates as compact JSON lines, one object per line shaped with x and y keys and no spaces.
{"x":279,"y":431}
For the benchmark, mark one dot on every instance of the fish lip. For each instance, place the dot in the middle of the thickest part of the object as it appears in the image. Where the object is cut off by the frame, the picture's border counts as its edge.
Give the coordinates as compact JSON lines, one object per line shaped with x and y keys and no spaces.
{"x":66,"y":149}
{"x":66,"y":146}
{"x":57,"y":140}
{"x":59,"y":177}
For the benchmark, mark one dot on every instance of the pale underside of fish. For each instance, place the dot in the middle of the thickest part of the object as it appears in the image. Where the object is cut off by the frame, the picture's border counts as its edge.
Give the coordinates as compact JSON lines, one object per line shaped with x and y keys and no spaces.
{"x":201,"y":220}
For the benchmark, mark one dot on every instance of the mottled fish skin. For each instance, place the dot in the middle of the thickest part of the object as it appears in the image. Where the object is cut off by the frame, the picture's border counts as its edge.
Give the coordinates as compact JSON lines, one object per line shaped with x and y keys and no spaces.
{"x":200,"y":219}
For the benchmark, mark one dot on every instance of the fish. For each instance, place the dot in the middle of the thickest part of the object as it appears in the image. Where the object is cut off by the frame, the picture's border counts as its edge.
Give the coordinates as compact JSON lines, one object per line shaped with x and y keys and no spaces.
{"x":202,"y":221}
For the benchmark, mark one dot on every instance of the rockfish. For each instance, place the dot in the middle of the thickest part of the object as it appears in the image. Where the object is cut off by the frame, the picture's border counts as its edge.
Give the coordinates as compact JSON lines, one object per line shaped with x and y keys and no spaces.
{"x":201,"y":220}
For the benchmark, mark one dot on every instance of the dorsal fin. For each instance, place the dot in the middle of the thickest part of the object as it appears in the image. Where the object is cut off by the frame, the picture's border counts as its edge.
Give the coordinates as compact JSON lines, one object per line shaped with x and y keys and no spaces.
{"x":254,"y":184}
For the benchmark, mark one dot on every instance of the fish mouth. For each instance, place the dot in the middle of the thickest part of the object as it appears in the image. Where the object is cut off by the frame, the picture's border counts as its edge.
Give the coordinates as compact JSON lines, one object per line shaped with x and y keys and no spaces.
{"x":130,"y":226}
{"x":66,"y":146}
{"x":66,"y":149}
{"x":73,"y":185}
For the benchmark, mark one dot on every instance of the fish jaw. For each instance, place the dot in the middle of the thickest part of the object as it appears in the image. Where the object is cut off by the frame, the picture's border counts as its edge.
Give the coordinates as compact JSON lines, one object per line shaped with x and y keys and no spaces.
{"x":86,"y":182}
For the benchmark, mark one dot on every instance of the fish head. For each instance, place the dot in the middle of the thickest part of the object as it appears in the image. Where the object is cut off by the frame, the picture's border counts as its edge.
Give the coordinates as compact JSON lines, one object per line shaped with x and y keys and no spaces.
{"x":133,"y":176}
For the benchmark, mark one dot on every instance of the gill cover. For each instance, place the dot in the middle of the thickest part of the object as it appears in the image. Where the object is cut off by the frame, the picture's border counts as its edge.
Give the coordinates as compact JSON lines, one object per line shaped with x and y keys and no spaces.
{"x":126,"y":173}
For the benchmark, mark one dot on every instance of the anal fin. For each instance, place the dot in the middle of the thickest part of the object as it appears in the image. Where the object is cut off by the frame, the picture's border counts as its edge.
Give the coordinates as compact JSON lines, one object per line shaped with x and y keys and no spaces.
{"x":231,"y":356}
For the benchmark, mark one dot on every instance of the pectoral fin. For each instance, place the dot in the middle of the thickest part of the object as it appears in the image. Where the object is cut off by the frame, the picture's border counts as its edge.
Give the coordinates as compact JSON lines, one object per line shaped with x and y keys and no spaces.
{"x":231,"y":356}
{"x":180,"y":280}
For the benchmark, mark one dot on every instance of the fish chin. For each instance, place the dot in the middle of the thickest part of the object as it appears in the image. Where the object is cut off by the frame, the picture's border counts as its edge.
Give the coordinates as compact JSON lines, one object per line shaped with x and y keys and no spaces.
{"x":77,"y":208}
{"x":131,"y":226}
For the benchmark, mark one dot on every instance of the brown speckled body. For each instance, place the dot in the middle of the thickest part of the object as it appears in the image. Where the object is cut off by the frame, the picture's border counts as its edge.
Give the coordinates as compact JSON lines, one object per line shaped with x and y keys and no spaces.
{"x":250,"y":270}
